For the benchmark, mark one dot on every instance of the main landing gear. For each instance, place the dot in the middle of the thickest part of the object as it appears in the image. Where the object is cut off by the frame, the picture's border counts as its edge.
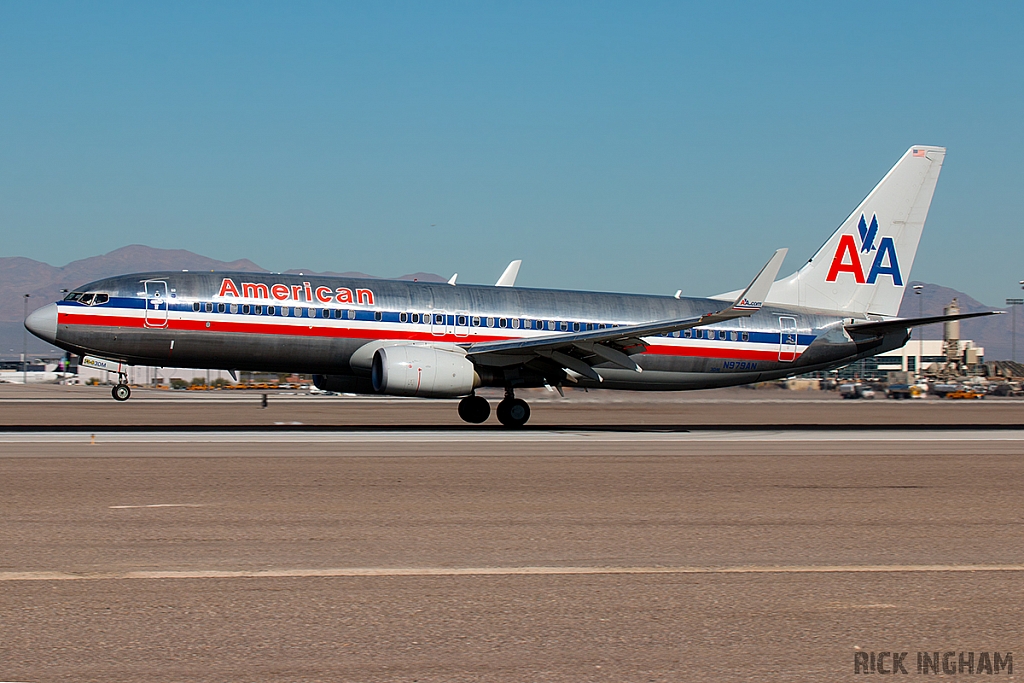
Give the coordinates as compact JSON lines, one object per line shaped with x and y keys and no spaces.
{"x":512,"y":411}
{"x":121,"y":390}
{"x":474,"y":409}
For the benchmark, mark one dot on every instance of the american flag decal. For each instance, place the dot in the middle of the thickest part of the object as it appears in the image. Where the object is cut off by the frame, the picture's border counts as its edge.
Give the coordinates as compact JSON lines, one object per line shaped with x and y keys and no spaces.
{"x":919,"y":152}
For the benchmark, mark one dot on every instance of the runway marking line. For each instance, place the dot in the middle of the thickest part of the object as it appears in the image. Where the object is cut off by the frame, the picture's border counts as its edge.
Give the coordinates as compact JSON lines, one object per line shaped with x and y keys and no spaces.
{"x":357,"y":572}
{"x":156,"y":505}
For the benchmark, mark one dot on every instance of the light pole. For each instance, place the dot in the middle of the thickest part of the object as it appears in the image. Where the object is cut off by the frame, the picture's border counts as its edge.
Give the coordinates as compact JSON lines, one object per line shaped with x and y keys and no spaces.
{"x":24,"y":346}
{"x":1013,"y":304}
{"x":920,"y":330}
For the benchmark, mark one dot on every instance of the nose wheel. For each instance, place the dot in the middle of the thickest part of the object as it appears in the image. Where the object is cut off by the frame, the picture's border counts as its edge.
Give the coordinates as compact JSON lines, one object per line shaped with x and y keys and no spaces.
{"x":512,"y":411}
{"x":121,"y":390}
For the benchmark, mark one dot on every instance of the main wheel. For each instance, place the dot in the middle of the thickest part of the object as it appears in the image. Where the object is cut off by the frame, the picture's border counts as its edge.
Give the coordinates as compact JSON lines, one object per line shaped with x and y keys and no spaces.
{"x":121,"y":392}
{"x":513,"y":412}
{"x":474,"y":409}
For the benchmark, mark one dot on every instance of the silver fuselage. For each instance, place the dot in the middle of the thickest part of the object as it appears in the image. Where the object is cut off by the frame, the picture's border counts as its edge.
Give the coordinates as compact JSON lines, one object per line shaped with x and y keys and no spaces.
{"x":308,"y":324}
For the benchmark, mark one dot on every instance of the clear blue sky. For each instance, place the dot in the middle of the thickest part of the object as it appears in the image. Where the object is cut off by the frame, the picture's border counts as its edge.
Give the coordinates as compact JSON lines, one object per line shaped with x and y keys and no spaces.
{"x":623,"y":146}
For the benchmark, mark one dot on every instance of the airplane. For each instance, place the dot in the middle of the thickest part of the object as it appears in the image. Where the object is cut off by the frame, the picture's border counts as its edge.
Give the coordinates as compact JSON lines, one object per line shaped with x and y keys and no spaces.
{"x":445,"y":340}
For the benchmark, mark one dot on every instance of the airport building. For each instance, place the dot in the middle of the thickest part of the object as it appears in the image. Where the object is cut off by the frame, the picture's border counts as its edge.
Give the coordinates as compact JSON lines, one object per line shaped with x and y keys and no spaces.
{"x":915,"y":356}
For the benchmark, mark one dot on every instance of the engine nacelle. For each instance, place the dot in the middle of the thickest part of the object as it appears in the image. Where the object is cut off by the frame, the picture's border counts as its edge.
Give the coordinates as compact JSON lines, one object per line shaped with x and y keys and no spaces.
{"x":407,"y":370}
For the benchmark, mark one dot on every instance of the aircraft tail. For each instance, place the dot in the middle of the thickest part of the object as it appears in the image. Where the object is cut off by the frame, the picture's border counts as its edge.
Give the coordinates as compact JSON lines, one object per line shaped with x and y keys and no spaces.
{"x":864,"y":266}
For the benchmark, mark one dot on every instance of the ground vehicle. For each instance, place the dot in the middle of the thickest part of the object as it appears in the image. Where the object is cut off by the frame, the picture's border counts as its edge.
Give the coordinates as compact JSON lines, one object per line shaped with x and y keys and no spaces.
{"x":904,"y":391}
{"x":964,"y":394}
{"x":857,"y":390}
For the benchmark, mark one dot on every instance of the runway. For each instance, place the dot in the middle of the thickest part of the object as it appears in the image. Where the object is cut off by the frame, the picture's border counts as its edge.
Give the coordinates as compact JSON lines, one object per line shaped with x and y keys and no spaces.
{"x":440,"y":554}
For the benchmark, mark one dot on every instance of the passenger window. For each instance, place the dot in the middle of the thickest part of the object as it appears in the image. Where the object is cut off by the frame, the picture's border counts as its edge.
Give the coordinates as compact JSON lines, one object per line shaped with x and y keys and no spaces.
{"x":502,"y":322}
{"x":745,"y":336}
{"x":476,"y":321}
{"x":284,"y":311}
{"x":209,"y":308}
{"x":564,"y":326}
{"x":490,"y":322}
{"x":245,"y":309}
{"x":515,"y":323}
{"x":196,"y":306}
{"x":403,"y":317}
{"x":271,"y":310}
{"x":687,"y":333}
{"x":378,"y":316}
{"x":462,"y":321}
{"x":234,"y":308}
{"x":221,"y":308}
{"x":575,"y":327}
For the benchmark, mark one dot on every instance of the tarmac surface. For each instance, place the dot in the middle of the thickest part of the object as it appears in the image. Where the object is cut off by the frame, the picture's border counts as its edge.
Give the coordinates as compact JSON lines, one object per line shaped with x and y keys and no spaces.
{"x":407,"y":552}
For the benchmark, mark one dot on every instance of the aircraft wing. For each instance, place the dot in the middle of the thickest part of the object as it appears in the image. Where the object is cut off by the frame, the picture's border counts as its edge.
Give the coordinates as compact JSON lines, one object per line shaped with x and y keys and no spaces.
{"x":907,"y":323}
{"x":577,"y":351}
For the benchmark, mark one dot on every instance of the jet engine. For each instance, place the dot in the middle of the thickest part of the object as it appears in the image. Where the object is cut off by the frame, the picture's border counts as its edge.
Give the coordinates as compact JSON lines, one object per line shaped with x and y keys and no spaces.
{"x":407,"y":370}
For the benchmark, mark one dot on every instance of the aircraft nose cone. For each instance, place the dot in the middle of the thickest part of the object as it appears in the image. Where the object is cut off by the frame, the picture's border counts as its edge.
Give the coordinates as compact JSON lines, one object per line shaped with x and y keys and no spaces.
{"x":43,"y":323}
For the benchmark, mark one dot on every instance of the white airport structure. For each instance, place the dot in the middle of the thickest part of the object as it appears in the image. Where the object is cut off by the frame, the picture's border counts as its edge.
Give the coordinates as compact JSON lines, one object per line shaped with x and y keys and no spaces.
{"x":919,"y":354}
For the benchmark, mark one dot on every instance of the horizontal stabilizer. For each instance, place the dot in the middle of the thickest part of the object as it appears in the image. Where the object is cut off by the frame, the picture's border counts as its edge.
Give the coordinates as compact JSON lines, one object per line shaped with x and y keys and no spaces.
{"x":907,"y":323}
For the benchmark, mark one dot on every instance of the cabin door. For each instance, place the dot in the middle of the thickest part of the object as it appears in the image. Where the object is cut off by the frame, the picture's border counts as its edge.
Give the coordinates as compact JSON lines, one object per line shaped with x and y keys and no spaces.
{"x":787,"y":339}
{"x":156,"y":303}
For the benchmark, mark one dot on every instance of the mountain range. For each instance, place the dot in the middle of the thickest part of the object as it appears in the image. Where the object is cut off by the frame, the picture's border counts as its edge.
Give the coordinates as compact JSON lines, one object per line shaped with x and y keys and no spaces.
{"x":43,"y":283}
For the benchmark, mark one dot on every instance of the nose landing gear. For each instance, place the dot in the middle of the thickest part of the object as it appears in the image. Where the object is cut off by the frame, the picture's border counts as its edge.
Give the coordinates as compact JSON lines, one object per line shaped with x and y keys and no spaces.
{"x":121,"y":390}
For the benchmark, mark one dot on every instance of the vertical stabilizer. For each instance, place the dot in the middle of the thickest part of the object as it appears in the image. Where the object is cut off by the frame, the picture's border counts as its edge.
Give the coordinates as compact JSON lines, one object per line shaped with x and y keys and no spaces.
{"x":865,"y":265}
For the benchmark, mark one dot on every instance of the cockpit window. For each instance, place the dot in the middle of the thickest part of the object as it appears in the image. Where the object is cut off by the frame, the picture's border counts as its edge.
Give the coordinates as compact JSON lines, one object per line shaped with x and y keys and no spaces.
{"x":88,"y":298}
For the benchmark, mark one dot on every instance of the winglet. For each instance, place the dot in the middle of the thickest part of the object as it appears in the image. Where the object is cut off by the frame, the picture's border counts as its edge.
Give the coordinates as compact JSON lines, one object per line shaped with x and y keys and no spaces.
{"x":508,"y":278}
{"x":754,"y":295}
{"x":752,"y":298}
{"x":453,"y":278}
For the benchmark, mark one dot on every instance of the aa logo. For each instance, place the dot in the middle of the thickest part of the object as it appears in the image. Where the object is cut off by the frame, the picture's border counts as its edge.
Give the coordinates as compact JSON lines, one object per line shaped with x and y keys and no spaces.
{"x":847,"y":258}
